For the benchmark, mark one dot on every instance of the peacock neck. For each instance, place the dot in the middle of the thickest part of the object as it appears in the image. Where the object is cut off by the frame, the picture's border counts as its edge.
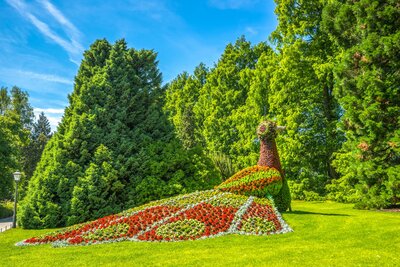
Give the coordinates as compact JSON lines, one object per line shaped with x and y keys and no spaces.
{"x":269,"y":156}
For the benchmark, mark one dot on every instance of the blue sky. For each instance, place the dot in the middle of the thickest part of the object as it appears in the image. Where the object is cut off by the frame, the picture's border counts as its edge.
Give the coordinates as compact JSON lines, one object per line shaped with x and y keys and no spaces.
{"x":42,"y":41}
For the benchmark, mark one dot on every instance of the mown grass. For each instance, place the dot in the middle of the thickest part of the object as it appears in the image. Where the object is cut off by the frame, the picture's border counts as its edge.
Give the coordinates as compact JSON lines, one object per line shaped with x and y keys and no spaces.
{"x":326,"y":234}
{"x":6,"y":209}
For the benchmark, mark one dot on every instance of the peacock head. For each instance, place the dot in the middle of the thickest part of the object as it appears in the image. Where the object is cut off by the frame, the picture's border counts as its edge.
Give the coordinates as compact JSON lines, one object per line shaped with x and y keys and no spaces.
{"x":268,"y":130}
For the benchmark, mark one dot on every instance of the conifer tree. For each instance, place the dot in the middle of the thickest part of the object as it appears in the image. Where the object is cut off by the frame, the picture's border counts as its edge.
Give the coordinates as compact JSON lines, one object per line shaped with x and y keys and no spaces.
{"x":368,"y":88}
{"x":115,"y":112}
{"x":95,"y":194}
{"x":39,"y":136}
{"x":41,"y":127}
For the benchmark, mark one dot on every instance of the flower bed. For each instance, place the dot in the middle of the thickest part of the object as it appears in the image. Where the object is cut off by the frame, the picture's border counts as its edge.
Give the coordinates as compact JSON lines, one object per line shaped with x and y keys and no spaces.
{"x":259,"y":219}
{"x":257,"y":181}
{"x":193,"y":216}
{"x":212,"y":219}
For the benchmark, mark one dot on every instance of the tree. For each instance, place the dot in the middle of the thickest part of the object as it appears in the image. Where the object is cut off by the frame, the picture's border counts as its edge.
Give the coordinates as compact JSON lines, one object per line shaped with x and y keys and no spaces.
{"x":181,"y":97}
{"x":41,"y":127}
{"x":15,"y":121}
{"x":222,"y":99}
{"x":39,"y":136}
{"x":302,"y":94}
{"x":219,"y":109}
{"x":95,"y":194}
{"x":368,"y":88}
{"x":20,"y":104}
{"x":9,"y":145}
{"x":114,"y":141}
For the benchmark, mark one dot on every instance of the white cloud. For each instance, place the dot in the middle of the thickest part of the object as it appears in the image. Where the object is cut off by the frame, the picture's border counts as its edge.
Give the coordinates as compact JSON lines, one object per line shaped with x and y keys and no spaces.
{"x":44,"y":77}
{"x":69,"y":27}
{"x":70,"y":44}
{"x":251,"y":30}
{"x":232,"y":4}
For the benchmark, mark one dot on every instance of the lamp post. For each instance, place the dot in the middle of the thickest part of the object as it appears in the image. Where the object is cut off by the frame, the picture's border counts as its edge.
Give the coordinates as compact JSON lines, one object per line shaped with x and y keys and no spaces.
{"x":17,"y":177}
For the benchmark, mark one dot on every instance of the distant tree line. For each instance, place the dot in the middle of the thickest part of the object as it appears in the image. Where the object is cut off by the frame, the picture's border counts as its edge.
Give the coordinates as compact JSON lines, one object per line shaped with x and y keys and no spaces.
{"x":22,"y":139}
{"x":332,"y":77}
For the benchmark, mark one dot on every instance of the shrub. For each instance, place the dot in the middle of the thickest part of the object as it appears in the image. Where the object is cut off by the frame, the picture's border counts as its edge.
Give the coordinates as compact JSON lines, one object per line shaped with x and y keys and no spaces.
{"x":6,"y":209}
{"x":299,"y":191}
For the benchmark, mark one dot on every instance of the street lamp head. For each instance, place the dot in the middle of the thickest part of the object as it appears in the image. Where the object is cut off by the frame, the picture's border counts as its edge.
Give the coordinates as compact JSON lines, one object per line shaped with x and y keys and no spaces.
{"x":17,"y":176}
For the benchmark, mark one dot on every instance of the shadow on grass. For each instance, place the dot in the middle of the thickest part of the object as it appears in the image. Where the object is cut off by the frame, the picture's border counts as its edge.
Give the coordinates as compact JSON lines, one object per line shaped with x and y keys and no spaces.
{"x":301,"y":212}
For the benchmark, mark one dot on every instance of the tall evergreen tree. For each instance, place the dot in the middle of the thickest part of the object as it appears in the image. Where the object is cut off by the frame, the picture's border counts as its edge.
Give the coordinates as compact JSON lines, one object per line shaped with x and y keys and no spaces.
{"x":95,"y":191}
{"x":113,"y":142}
{"x":41,"y":127}
{"x":368,"y":88}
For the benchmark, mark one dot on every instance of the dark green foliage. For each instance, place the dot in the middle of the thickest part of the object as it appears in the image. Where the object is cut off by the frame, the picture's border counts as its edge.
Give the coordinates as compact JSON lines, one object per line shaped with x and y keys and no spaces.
{"x":41,"y":127}
{"x":302,"y":94}
{"x":95,"y":194}
{"x":114,"y":147}
{"x":368,"y":88}
{"x":225,"y":103}
{"x":302,"y":191}
{"x":6,"y":209}
{"x":219,"y":109}
{"x":40,"y":135}
{"x":181,"y":97}
{"x":8,"y":153}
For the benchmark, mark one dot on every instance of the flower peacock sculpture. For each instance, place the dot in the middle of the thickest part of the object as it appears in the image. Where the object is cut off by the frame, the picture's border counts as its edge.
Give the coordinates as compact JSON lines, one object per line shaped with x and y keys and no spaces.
{"x":257,"y":183}
{"x":247,"y":203}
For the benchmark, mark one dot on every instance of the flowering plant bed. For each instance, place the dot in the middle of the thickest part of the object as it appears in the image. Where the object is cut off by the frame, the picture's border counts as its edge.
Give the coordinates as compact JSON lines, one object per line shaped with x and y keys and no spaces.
{"x":254,"y":181}
{"x":193,"y":216}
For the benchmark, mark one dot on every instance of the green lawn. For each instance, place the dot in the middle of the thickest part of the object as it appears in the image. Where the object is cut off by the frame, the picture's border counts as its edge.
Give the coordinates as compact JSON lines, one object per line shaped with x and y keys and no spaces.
{"x":326,"y":234}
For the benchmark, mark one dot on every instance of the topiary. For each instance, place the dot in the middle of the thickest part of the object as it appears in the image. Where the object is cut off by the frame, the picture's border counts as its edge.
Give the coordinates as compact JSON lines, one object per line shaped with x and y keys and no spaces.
{"x":257,"y":181}
{"x":269,"y":157}
{"x":283,"y":199}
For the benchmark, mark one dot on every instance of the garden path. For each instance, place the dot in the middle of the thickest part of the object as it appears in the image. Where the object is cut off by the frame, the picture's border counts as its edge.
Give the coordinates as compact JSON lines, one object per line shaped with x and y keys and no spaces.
{"x":5,"y":224}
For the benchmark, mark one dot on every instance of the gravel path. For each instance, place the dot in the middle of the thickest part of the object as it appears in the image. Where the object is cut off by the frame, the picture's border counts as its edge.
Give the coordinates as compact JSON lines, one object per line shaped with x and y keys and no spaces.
{"x":391,"y":210}
{"x":5,"y":224}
